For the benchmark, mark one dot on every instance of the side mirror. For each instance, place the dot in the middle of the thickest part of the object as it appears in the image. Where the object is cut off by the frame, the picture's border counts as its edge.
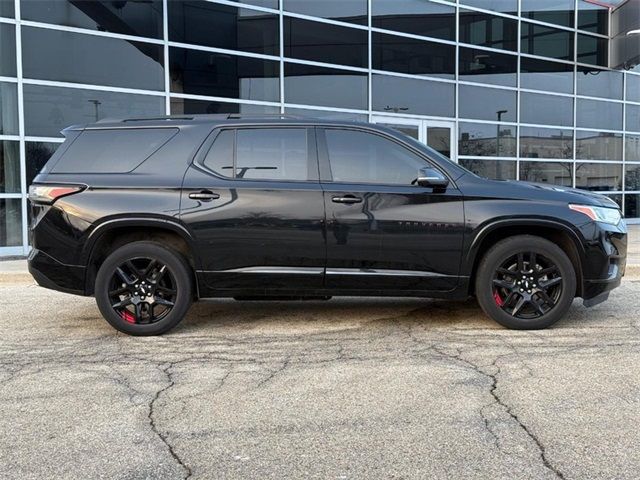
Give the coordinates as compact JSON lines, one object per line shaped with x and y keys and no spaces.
{"x":430,"y":177}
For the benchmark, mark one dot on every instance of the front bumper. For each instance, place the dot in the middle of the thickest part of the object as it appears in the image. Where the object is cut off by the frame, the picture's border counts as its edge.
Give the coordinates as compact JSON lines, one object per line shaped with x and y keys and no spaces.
{"x":50,"y":273}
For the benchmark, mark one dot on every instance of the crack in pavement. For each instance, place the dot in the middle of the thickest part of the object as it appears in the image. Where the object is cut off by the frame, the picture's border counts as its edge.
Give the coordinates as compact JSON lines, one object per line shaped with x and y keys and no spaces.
{"x":152,"y":422}
{"x":493,"y":390}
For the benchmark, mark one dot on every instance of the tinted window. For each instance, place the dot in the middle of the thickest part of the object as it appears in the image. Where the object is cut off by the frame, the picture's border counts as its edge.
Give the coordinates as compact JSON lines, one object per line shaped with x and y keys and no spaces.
{"x":415,"y":16}
{"x":493,"y":169}
{"x":633,"y":88}
{"x":9,"y":167}
{"x":598,"y":146}
{"x":594,"y":82}
{"x":549,"y":11}
{"x":488,"y":30}
{"x":546,"y":42}
{"x":223,"y":75}
{"x":307,"y":112}
{"x":596,"y":114}
{"x":219,"y":158}
{"x":272,"y":153}
{"x":262,"y":3}
{"x":487,"y":140}
{"x":10,"y":222}
{"x":131,"y":18}
{"x":547,"y":76}
{"x":76,"y":57}
{"x":361,"y":157}
{"x":8,"y":108}
{"x":633,"y":118}
{"x":181,"y":106}
{"x":593,"y":50}
{"x":7,"y":8}
{"x":409,"y":55}
{"x":593,"y":18}
{"x":7,"y":50}
{"x":112,"y":151}
{"x":632,"y":149}
{"x":632,"y":206}
{"x":487,"y":103}
{"x":504,"y":6}
{"x":632,"y":177}
{"x":598,"y":177}
{"x":536,"y":142}
{"x":484,"y":66}
{"x":410,"y":95}
{"x":546,"y":109}
{"x":47,"y":110}
{"x":354,"y":11}
{"x":37,"y":155}
{"x":223,"y":26}
{"x":329,"y":87}
{"x":556,"y":173}
{"x":322,"y":42}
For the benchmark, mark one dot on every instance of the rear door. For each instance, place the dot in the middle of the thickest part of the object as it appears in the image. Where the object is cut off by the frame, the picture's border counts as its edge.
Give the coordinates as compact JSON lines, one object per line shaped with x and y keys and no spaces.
{"x":254,"y":203}
{"x":383,"y":232}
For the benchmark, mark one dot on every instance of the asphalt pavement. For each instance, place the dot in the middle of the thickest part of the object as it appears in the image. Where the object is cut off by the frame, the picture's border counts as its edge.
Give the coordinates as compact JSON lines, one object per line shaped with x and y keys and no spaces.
{"x":341,"y":389}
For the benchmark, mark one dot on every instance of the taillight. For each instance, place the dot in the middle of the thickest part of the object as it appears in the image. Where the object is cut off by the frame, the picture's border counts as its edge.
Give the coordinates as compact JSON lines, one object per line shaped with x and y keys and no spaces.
{"x":47,"y":194}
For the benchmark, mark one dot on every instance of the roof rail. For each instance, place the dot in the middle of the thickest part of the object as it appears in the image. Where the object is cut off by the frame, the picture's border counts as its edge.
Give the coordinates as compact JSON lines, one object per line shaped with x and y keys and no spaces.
{"x":201,"y":116}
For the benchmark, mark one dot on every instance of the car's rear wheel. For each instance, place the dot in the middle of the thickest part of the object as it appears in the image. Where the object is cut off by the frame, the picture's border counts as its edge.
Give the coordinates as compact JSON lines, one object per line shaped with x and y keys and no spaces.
{"x":525,"y":282}
{"x":144,"y":288}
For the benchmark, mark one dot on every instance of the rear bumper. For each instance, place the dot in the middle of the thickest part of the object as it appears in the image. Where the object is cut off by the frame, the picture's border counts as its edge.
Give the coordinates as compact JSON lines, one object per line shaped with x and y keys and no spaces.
{"x":52,"y":274}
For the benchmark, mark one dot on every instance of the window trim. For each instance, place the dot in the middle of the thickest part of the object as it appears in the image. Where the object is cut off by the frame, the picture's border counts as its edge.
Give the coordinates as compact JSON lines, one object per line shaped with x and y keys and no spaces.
{"x":326,"y":176}
{"x":312,"y":157}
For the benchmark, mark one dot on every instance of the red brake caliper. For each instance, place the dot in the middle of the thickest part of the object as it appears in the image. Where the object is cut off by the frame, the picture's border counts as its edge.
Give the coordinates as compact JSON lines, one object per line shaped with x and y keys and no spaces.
{"x":498,"y":300}
{"x":127,"y":316}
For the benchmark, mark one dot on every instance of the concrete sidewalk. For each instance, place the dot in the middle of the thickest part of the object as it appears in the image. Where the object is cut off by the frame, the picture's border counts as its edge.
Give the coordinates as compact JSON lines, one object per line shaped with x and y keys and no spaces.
{"x":16,"y":270}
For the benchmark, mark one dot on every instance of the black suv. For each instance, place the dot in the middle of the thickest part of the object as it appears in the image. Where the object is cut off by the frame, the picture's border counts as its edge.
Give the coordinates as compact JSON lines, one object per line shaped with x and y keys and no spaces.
{"x":151,"y":214}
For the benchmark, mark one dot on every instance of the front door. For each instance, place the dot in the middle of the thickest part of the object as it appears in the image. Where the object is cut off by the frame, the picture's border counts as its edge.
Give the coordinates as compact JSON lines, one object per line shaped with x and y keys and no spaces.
{"x":437,"y":134}
{"x":383,"y":232}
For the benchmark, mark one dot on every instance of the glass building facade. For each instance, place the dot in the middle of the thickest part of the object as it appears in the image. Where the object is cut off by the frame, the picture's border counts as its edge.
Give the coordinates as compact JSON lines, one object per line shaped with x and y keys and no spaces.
{"x":511,"y":89}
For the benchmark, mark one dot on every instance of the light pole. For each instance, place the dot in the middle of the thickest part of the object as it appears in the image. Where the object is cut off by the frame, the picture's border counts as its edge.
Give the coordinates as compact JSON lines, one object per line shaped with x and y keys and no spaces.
{"x":498,"y":164}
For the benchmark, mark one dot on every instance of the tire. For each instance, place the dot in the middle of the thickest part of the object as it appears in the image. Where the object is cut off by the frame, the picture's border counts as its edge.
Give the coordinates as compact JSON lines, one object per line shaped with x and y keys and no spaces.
{"x":144,"y":309}
{"x":546,"y":288}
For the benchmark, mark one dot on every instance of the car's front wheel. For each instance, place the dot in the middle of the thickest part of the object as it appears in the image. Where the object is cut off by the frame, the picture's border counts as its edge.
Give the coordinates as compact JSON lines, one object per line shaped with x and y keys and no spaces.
{"x":525,"y":282}
{"x":144,"y":288}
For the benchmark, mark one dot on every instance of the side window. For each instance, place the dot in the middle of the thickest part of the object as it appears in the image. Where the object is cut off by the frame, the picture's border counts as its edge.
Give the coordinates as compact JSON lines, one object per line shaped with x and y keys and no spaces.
{"x":361,"y":157}
{"x":272,"y":153}
{"x":219,"y":158}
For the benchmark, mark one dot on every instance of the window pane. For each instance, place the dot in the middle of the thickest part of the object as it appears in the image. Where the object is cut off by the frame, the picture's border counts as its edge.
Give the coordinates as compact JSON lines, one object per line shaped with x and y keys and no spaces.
{"x":408,"y":95}
{"x":409,"y":55}
{"x":112,"y":151}
{"x":181,"y":106}
{"x":546,"y":76}
{"x":632,"y":148}
{"x":594,"y":82}
{"x":615,"y":197}
{"x":555,"y":173}
{"x":328,"y":115}
{"x":8,"y":108}
{"x":633,"y":88}
{"x":549,"y":11}
{"x":76,"y":57}
{"x":223,"y":75}
{"x":219,"y":158}
{"x":415,"y":16}
{"x":538,"y":142}
{"x":488,"y":30}
{"x":632,"y":177}
{"x":322,"y":42}
{"x":47,"y":110}
{"x":262,"y":3}
{"x":598,"y":177}
{"x":354,"y":11}
{"x":131,"y":18}
{"x":223,"y":26}
{"x":504,"y":6}
{"x":7,"y":8}
{"x":633,"y":118}
{"x":546,"y":42}
{"x":593,"y":18}
{"x":7,"y":50}
{"x":359,"y":157}
{"x":493,"y":169}
{"x":487,"y":103}
{"x":598,"y":146}
{"x":487,"y":140}
{"x":593,"y":50}
{"x":484,"y":66}
{"x":632,"y":206}
{"x":10,"y":222}
{"x":596,"y":114}
{"x":546,"y":109}
{"x":328,"y":87}
{"x":9,"y":167}
{"x":37,"y":155}
{"x":272,"y":153}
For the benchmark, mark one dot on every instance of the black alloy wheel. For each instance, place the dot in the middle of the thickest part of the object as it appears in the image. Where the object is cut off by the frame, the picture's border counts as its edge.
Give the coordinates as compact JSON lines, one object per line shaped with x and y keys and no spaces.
{"x":525,"y":282}
{"x":144,"y":288}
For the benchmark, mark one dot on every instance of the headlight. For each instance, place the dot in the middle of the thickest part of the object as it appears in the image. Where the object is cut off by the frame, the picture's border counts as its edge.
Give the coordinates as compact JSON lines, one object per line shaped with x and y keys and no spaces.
{"x":599,"y":214}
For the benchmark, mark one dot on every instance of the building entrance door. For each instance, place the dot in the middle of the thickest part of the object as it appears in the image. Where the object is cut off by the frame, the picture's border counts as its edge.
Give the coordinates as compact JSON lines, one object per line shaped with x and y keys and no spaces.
{"x":438,"y":134}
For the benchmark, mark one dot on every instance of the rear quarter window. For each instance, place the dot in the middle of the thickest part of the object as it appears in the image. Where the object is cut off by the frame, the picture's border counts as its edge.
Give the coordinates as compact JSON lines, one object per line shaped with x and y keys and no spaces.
{"x":112,"y":150}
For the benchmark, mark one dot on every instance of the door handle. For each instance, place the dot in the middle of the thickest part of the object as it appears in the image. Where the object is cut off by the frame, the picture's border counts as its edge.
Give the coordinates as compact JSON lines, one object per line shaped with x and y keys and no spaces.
{"x":348,"y":199}
{"x":204,"y":195}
